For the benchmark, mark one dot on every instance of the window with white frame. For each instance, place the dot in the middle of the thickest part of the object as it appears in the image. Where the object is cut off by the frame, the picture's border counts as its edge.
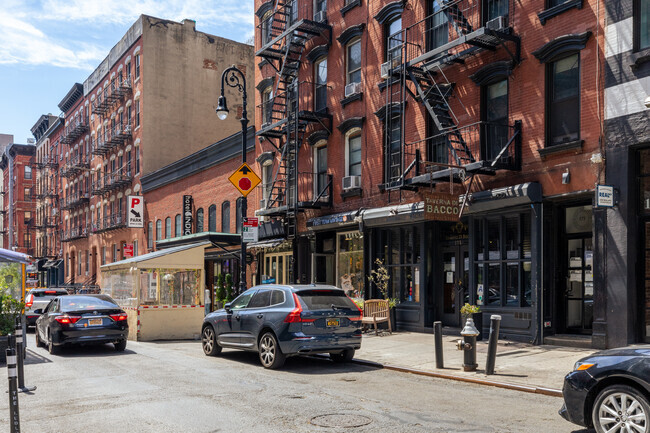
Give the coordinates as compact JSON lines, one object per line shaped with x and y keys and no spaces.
{"x":353,"y":62}
{"x":353,"y":153}
{"x":320,"y":84}
{"x":320,"y":168}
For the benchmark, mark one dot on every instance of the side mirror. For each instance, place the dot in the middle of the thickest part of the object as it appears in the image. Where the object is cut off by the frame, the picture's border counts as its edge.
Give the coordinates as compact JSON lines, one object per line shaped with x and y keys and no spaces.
{"x":227,"y":307}
{"x":38,"y":311}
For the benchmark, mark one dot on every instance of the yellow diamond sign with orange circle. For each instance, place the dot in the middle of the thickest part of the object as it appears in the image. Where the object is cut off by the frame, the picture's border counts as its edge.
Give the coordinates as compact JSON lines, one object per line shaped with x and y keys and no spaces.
{"x":244,"y":179}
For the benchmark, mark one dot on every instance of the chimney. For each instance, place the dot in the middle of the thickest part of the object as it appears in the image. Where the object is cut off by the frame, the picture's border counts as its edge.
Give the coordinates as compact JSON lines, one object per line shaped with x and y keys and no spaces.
{"x":190,"y":23}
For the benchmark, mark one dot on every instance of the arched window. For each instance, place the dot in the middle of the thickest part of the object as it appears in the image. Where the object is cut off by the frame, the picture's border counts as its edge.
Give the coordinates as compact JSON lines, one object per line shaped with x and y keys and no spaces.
{"x":212,"y":218}
{"x":149,"y":233}
{"x":168,"y":228}
{"x":177,"y":222}
{"x":225,"y":217}
{"x":199,"y":220}
{"x":158,"y":229}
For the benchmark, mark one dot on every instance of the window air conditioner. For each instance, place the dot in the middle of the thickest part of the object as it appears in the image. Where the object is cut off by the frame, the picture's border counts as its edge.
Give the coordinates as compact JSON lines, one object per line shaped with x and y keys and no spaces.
{"x":498,"y":23}
{"x":351,"y":182}
{"x":320,"y":16}
{"x":352,"y":88}
{"x":385,"y":70}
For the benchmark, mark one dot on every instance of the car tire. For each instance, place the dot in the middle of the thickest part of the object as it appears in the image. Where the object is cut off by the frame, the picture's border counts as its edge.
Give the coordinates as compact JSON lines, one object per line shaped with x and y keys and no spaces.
{"x":209,"y":341}
{"x":271,"y":355}
{"x":344,"y":356}
{"x":50,"y":345}
{"x":37,"y":339}
{"x":605,"y":413}
{"x":120,"y":346}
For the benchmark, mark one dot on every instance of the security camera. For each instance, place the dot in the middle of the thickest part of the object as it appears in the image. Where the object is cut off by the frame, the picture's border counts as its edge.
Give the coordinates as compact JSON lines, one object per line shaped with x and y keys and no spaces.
{"x":647,"y":102}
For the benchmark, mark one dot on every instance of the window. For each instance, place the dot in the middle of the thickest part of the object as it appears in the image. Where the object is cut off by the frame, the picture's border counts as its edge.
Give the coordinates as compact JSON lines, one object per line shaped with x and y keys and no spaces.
{"x":494,"y":9}
{"x":137,"y":160}
{"x":149,"y":235}
{"x":399,"y":249}
{"x":394,"y":160}
{"x":267,"y":105}
{"x":267,"y":179}
{"x":199,"y":220}
{"x":27,"y":240}
{"x":128,"y":71}
{"x":394,"y":44}
{"x":212,"y":218}
{"x":225,"y":217}
{"x":354,"y":155}
{"x":178,"y":224}
{"x":103,"y":255}
{"x":238,"y":215}
{"x":320,"y":6}
{"x":496,"y":114}
{"x":266,"y":27}
{"x":353,"y":62}
{"x":28,"y":172}
{"x":168,"y":228}
{"x":564,"y":100}
{"x":28,"y":216}
{"x":438,"y":26}
{"x":114,"y":253}
{"x":158,"y":229}
{"x":137,"y":113}
{"x":320,"y":169}
{"x":86,"y":255}
{"x":79,"y":264}
{"x":128,"y":114}
{"x":28,"y":194}
{"x":642,"y":24}
{"x":320,"y":72}
{"x":137,"y":67}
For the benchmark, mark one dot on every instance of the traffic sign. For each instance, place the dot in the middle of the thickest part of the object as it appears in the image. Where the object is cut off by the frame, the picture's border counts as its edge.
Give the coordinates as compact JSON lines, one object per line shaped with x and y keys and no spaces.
{"x":244,"y":179}
{"x":251,"y":229}
{"x":135,"y":211}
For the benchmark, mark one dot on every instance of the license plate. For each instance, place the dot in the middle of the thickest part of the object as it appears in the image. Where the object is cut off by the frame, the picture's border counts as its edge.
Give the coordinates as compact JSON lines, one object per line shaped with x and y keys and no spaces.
{"x":333,"y":322}
{"x":94,"y":322}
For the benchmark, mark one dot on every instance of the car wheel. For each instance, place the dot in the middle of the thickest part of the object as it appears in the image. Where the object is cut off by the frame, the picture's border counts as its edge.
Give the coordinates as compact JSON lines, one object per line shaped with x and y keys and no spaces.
{"x":209,"y":341}
{"x":120,"y":346}
{"x":345,"y":356}
{"x":50,"y":345}
{"x":620,"y":408}
{"x":37,"y":338}
{"x":270,"y":354}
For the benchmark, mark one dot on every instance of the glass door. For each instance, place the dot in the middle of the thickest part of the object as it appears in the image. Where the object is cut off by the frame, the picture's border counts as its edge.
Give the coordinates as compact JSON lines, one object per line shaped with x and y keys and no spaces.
{"x":455,"y":275}
{"x":322,"y":268}
{"x":579,"y":289}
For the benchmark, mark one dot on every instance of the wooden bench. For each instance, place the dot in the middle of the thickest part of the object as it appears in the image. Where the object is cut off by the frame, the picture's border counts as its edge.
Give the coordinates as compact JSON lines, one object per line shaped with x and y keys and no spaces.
{"x":376,"y":311}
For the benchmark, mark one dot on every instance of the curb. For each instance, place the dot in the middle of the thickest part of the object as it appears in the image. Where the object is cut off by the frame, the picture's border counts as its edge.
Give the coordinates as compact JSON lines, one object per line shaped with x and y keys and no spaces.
{"x":511,"y":386}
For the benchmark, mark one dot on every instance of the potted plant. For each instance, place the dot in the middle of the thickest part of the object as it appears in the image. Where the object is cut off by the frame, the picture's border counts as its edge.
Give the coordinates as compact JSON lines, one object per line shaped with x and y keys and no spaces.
{"x":229,"y":289}
{"x":219,"y":293}
{"x":381,"y":278}
{"x":10,"y":309}
{"x":473,"y":311}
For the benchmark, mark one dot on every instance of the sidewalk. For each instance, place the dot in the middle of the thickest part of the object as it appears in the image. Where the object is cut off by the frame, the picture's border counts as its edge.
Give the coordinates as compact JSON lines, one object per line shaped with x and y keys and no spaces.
{"x":537,"y":369}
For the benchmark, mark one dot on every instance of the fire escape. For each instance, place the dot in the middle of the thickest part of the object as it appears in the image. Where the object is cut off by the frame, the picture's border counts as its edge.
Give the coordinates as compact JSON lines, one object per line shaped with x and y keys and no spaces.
{"x":290,"y":111}
{"x":417,"y":59}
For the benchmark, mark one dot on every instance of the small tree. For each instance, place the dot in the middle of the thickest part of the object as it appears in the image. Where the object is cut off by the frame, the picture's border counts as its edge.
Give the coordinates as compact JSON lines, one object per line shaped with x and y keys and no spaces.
{"x":220,"y":292}
{"x":380,"y":278}
{"x":229,"y":293}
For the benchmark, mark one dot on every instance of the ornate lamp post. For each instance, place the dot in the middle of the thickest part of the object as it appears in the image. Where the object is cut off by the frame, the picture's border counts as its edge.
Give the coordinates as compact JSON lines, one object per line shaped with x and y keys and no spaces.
{"x":235,"y":78}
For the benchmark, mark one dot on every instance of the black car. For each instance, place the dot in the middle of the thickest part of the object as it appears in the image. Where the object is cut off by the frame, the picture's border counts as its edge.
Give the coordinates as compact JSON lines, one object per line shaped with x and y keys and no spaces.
{"x":37,"y":299}
{"x":609,"y":391}
{"x":82,"y":319}
{"x":280,"y":320}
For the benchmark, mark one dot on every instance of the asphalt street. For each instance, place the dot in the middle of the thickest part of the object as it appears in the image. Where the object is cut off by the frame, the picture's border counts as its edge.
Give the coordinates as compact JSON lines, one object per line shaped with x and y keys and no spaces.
{"x":173,"y":387}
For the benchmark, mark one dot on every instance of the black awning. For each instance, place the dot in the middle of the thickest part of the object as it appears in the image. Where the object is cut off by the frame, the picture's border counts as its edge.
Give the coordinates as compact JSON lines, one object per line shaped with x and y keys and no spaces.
{"x":53,"y":263}
{"x":499,"y":198}
{"x":40,"y":264}
{"x":216,"y":238}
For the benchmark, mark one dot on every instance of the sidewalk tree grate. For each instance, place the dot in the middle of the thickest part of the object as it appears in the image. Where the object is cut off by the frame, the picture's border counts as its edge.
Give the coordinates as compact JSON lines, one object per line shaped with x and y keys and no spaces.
{"x":340,"y":420}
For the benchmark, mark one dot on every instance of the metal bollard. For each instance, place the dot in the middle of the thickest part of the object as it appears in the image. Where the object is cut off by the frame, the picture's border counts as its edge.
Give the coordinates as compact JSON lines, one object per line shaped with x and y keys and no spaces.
{"x":437,"y":340}
{"x":495,"y":324}
{"x":469,"y":334}
{"x":20,"y":353}
{"x":14,"y":415}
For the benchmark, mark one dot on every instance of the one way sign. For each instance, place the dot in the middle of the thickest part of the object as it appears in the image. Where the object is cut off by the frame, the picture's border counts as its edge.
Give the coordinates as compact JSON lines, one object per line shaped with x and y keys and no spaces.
{"x":135,"y":217}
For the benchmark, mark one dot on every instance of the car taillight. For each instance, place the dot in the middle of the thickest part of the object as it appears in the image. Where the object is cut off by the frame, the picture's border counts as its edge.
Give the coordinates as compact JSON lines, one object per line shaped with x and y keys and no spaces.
{"x":119,"y":317}
{"x":295,"y":315}
{"x":29,"y":301}
{"x":50,"y":292}
{"x":355,"y":318}
{"x":67,"y":320}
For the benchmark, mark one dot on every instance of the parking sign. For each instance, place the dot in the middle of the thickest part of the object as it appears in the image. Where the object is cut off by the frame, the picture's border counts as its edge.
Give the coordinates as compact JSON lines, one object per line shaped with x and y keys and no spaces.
{"x":135,"y":212}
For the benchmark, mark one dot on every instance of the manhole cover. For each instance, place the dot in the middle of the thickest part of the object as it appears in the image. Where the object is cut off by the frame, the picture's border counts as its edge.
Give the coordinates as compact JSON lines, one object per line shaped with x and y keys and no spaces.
{"x":340,"y":420}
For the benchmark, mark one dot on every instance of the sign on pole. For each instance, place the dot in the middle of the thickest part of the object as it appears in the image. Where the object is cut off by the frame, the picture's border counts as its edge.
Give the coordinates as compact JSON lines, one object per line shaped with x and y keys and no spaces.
{"x":135,"y":212}
{"x":244,"y":179}
{"x":251,"y":230}
{"x":188,"y":221}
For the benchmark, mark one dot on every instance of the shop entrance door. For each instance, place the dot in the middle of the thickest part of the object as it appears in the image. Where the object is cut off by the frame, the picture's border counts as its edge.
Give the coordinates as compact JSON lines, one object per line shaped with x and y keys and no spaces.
{"x":455,"y":278}
{"x":579,"y":285}
{"x":322,"y":268}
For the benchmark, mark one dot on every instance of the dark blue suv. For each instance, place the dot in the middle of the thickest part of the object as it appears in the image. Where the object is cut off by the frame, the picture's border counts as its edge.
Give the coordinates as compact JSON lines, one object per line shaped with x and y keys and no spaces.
{"x":280,"y":321}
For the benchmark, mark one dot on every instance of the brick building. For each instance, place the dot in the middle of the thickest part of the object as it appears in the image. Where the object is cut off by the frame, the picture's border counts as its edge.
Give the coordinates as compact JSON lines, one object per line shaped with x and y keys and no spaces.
{"x":369,"y":112}
{"x":149,"y":103}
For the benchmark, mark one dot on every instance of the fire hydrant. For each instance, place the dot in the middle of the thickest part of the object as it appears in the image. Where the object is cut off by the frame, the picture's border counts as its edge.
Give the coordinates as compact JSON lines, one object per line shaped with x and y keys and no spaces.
{"x":469,"y":334}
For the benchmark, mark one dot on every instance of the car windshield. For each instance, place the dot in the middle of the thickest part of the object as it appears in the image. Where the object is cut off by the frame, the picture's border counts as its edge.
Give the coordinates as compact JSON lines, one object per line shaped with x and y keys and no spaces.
{"x":48,"y":293}
{"x":242,"y":300}
{"x":326,"y":299}
{"x":76,"y":303}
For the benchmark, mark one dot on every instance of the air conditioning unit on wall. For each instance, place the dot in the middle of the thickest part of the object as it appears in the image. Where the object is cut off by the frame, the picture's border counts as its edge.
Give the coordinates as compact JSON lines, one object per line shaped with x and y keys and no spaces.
{"x":352,"y":88}
{"x":351,"y":182}
{"x":498,"y":23}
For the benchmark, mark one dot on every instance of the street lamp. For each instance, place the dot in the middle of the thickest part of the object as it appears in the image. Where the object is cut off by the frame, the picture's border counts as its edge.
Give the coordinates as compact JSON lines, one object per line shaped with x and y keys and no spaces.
{"x":235,"y":78}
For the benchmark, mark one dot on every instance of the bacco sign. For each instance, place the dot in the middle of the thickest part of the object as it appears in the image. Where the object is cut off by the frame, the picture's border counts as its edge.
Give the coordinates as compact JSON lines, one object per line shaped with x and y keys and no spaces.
{"x":441,"y":207}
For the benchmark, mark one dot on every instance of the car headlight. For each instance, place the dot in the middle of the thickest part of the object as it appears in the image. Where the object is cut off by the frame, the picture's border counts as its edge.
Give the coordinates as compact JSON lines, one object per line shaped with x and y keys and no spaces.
{"x":580,"y":365}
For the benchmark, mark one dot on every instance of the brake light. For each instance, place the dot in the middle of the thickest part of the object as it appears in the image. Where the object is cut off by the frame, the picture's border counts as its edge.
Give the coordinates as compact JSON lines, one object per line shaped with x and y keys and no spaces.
{"x":295,"y":315}
{"x":67,"y":320}
{"x":119,"y":317}
{"x":29,"y":301}
{"x":50,"y":292}
{"x":355,"y":319}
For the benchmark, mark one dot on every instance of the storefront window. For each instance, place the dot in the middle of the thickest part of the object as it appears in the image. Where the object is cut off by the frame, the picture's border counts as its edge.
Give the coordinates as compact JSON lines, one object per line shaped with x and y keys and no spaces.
{"x":403,"y":261}
{"x":276,"y":267}
{"x":350,"y":263}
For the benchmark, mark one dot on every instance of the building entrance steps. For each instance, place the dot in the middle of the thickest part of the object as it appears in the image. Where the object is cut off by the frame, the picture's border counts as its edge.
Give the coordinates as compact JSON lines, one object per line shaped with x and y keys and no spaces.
{"x":537,"y":369}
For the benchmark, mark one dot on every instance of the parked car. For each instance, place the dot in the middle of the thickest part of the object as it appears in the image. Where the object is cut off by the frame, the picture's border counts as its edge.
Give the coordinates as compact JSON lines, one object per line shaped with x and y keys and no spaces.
{"x":37,"y":299}
{"x":281,"y":321}
{"x":609,"y":391}
{"x":82,"y":319}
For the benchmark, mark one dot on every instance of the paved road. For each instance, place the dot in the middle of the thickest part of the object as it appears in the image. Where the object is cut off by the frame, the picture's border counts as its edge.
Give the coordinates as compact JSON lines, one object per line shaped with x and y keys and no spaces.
{"x":173,"y":387}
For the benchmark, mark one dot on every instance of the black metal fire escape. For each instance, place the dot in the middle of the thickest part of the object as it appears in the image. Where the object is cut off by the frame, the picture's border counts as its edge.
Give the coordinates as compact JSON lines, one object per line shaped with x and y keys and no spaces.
{"x":285,"y":120}
{"x":416,"y":65}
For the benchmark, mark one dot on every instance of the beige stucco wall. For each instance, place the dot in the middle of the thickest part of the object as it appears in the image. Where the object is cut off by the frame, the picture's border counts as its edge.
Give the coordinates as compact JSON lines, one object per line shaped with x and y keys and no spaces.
{"x":167,"y":324}
{"x":181,"y":71}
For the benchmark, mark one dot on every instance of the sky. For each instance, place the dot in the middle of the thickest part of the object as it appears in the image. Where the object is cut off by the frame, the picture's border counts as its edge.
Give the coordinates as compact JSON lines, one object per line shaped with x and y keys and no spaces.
{"x":48,"y":45}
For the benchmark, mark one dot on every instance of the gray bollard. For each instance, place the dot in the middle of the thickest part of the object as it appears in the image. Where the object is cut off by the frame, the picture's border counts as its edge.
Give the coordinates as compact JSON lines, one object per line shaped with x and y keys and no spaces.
{"x":437,"y":339}
{"x":495,"y":323}
{"x":14,"y":415}
{"x":20,"y":353}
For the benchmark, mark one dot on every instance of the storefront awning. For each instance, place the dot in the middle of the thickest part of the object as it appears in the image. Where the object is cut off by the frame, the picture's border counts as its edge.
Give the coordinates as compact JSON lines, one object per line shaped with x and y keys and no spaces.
{"x":499,"y":198}
{"x":53,"y":263}
{"x":328,"y":222}
{"x":40,"y":264}
{"x":268,"y":243}
{"x":14,"y":257}
{"x":399,"y":214}
{"x":179,"y":257}
{"x":215,"y":238}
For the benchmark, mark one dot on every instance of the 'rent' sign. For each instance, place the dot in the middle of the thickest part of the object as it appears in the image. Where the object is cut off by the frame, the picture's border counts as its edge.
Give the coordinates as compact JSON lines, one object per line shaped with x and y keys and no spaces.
{"x":441,"y":206}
